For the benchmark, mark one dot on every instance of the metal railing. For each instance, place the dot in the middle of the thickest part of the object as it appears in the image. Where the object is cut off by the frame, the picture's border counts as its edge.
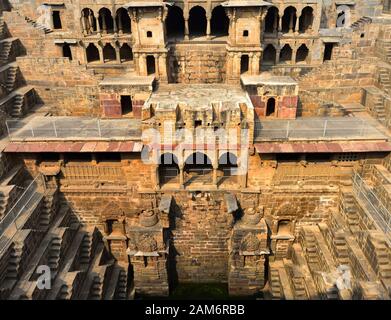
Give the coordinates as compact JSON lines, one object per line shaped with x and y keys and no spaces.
{"x":68,"y":127}
{"x":315,"y":128}
{"x":26,"y":201}
{"x":379,"y":213}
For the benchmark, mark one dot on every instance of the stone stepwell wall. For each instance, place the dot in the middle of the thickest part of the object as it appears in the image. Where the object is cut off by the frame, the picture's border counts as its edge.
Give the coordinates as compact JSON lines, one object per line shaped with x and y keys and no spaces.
{"x":197,"y":64}
{"x":64,"y":84}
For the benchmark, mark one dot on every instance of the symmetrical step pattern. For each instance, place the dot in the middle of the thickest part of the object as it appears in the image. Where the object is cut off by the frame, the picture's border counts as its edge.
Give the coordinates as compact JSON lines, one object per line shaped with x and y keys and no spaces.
{"x":5,"y":51}
{"x":38,"y":25}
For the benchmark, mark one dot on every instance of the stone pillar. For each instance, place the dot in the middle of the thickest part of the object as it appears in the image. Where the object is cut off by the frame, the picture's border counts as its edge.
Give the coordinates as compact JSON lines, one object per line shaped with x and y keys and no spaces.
{"x":117,"y":54}
{"x":291,"y":26}
{"x":101,"y":58}
{"x":143,"y":64}
{"x":280,"y":24}
{"x":115,"y":25}
{"x":155,"y":177}
{"x":91,"y":19}
{"x":104,"y":26}
{"x":255,"y":64}
{"x":294,"y":53}
{"x":275,"y":24}
{"x":97,"y":25}
{"x":157,"y":69}
{"x":278,"y":52}
{"x":163,"y":67}
{"x":186,"y":28}
{"x":297,"y":24}
{"x":208,"y":18}
{"x":84,"y":25}
{"x":120,"y":27}
{"x":181,"y":177}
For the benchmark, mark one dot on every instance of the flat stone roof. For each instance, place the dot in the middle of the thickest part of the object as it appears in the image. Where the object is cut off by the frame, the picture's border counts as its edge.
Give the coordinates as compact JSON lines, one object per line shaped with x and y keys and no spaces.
{"x":128,"y":81}
{"x":246,"y":3}
{"x":198,"y":96}
{"x":74,"y":129}
{"x":323,"y":147}
{"x":135,"y":4}
{"x":318,"y":129}
{"x":267,"y":79}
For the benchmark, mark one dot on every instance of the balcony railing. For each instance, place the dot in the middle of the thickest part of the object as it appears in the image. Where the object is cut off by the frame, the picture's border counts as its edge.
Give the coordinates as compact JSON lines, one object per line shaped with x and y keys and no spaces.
{"x":379,"y":213}
{"x":316,"y":129}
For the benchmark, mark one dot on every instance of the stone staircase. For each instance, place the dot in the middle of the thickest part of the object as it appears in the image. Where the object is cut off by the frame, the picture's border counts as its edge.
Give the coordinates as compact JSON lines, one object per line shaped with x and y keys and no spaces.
{"x":5,"y":51}
{"x":275,"y":285}
{"x":17,"y":108}
{"x":2,"y":28}
{"x":384,"y":79}
{"x":121,"y":290}
{"x":379,"y":110}
{"x":38,"y":26}
{"x":360,"y":23}
{"x":11,"y":77}
{"x":54,"y":253}
{"x":3,"y":204}
{"x":349,"y":210}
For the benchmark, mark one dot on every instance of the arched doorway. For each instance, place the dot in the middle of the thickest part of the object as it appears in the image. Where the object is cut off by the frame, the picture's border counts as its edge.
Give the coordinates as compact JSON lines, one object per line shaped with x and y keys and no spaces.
{"x":92,"y":53}
{"x":219,"y":22}
{"x":286,"y":54}
{"x":197,"y":22}
{"x":175,"y":23}
{"x":123,"y":21}
{"x":88,"y":20}
{"x":66,"y":51}
{"x":244,"y":63}
{"x":289,"y":20}
{"x":198,"y":169}
{"x":227,"y":170}
{"x":105,"y":20}
{"x":269,"y":57}
{"x":271,"y":107}
{"x":306,"y":19}
{"x":168,"y":169}
{"x":126,"y":53}
{"x":109,"y":53}
{"x":271,"y":20}
{"x":151,"y":67}
{"x":302,"y":54}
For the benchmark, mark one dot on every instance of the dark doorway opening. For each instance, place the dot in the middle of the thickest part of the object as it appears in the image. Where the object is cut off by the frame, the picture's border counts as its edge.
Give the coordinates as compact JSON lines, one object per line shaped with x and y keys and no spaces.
{"x":219,"y":22}
{"x":244,"y":64}
{"x":289,"y":20}
{"x":66,"y":51}
{"x":328,"y":51}
{"x":175,"y":23}
{"x":151,"y":68}
{"x":302,"y":54}
{"x":92,"y":53}
{"x":286,"y":54}
{"x":109,"y":53}
{"x":123,"y":21}
{"x":271,"y":107}
{"x":197,"y":21}
{"x":56,"y":20}
{"x":271,"y":20}
{"x":126,"y":53}
{"x":126,"y":105}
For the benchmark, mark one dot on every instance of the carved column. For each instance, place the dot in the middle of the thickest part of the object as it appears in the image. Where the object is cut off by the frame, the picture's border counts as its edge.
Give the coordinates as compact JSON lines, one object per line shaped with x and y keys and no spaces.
{"x":291,"y":26}
{"x":117,"y":53}
{"x":100,"y":49}
{"x":157,"y":69}
{"x":208,"y":18}
{"x":120,"y":27}
{"x":275,"y":24}
{"x":297,"y":24}
{"x":104,"y":26}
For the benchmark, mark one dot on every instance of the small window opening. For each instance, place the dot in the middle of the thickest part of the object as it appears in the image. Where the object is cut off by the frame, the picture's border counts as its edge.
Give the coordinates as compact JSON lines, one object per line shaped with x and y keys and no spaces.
{"x":56,"y":20}
{"x":126,"y":105}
